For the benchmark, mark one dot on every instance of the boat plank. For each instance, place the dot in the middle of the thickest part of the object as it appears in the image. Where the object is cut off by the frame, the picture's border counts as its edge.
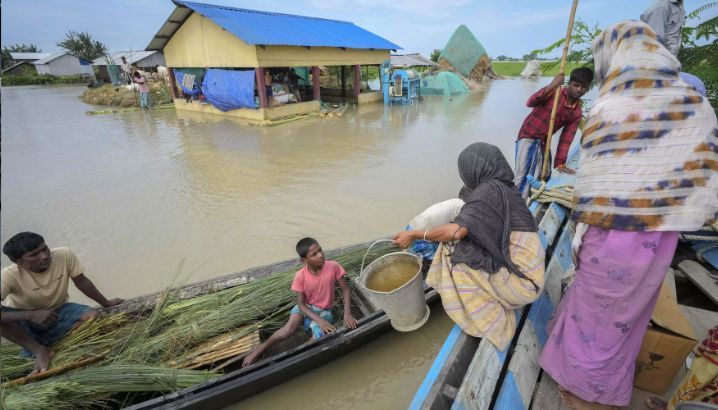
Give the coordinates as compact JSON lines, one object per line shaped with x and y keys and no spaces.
{"x":440,"y":386}
{"x":523,"y":370}
{"x":701,"y":278}
{"x":482,"y":376}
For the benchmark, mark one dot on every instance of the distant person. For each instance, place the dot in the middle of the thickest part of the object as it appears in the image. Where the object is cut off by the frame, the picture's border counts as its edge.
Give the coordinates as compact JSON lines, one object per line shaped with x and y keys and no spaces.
{"x":531,"y":142}
{"x":314,"y":285}
{"x":35,"y":309}
{"x":144,"y":89}
{"x":648,"y":170}
{"x":666,"y":18}
{"x":126,"y":70}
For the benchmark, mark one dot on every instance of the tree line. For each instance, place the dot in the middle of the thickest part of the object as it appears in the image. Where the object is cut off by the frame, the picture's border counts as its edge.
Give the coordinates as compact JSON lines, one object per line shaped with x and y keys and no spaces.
{"x":80,"y":44}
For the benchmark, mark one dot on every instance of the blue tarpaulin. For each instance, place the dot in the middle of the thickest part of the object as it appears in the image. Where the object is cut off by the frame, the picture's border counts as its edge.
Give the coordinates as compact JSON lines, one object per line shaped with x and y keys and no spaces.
{"x":228,"y":89}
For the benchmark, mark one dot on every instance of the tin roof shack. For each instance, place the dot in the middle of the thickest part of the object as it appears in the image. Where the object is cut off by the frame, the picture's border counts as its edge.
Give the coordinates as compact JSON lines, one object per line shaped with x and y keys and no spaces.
{"x":197,"y":37}
{"x":64,"y":63}
{"x":144,"y":60}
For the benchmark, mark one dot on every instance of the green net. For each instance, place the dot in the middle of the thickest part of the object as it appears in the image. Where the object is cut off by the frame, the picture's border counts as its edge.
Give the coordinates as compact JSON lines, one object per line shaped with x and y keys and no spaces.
{"x":443,"y":83}
{"x":463,"y":51}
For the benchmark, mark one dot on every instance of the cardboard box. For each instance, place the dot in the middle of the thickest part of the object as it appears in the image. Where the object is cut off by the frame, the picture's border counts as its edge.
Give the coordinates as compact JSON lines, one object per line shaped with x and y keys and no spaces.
{"x":668,"y":341}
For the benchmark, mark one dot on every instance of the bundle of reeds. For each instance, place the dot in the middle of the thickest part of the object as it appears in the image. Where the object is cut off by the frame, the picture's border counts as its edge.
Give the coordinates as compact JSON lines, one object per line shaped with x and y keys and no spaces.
{"x":92,"y":386}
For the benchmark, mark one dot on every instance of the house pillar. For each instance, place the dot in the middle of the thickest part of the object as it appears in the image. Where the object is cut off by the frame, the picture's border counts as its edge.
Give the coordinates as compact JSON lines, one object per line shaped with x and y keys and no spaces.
{"x":173,"y":82}
{"x":357,"y":80}
{"x":315,"y":83}
{"x":261,"y":87}
{"x":344,"y":81}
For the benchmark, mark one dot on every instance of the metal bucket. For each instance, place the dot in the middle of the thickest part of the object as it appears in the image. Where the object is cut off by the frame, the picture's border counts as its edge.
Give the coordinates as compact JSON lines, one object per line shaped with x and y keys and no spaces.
{"x":406,"y":305}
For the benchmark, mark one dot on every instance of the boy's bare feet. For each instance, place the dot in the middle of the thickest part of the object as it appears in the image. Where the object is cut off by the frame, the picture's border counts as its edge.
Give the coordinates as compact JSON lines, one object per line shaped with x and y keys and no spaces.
{"x":42,"y":360}
{"x":576,"y":403}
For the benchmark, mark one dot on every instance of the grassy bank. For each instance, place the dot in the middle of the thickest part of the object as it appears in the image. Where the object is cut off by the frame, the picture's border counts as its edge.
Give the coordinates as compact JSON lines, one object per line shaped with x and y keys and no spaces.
{"x":122,"y":97}
{"x":514,"y":68}
{"x":40,"y":79}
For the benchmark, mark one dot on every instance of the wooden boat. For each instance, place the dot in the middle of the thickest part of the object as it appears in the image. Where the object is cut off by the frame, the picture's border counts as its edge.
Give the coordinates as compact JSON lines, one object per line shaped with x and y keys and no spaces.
{"x":471,"y":373}
{"x":290,"y":359}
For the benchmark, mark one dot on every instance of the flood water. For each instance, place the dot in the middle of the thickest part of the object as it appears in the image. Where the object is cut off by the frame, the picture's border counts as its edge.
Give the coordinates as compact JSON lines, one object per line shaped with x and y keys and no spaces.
{"x":147,"y":198}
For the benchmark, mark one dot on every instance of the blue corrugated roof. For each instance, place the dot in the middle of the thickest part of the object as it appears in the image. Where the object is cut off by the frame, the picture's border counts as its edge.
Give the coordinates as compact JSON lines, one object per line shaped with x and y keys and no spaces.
{"x":266,"y":28}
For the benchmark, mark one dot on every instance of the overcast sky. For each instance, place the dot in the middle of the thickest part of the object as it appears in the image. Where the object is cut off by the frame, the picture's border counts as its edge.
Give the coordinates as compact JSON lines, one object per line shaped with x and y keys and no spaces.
{"x":505,"y":27}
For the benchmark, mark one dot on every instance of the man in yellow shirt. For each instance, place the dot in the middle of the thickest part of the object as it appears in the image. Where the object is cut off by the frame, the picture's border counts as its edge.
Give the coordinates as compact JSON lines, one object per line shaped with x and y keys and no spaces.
{"x":35,"y":308}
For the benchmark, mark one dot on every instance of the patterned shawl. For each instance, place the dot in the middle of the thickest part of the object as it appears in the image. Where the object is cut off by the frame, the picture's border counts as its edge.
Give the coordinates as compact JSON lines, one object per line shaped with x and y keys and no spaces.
{"x":649,"y":158}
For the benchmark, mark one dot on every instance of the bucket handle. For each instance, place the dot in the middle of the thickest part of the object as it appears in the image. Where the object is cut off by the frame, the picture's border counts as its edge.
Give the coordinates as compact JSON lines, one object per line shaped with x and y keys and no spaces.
{"x":361,"y":270}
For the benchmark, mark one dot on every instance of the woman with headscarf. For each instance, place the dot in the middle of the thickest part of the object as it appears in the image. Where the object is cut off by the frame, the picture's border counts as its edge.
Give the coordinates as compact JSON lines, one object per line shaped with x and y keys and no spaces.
{"x":490,"y":260}
{"x":648,"y":169}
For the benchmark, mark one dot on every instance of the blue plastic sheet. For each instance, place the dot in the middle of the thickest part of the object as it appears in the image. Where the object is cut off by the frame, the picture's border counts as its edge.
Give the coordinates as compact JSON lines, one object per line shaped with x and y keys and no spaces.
{"x":228,"y":89}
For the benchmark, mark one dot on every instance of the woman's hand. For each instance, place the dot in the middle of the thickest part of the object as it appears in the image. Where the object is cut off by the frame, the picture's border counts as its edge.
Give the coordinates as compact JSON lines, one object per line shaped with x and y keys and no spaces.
{"x":404,"y":239}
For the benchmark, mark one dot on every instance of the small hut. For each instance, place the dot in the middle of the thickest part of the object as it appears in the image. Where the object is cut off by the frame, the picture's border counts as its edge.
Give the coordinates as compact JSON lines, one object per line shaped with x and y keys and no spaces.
{"x":233,"y":54}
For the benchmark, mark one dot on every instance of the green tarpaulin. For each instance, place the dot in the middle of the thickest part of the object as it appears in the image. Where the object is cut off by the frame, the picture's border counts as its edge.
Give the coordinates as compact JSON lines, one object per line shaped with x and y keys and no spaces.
{"x":463,"y":51}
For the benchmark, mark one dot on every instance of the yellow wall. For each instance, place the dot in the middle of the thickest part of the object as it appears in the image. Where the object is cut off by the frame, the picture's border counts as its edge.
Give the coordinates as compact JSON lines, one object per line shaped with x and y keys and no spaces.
{"x":288,"y":56}
{"x":267,"y":114}
{"x":201,"y":43}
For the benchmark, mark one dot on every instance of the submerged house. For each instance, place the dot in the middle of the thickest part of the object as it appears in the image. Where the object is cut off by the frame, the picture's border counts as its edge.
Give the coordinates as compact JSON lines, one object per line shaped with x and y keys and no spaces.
{"x":58,"y":64}
{"x":231,"y":55}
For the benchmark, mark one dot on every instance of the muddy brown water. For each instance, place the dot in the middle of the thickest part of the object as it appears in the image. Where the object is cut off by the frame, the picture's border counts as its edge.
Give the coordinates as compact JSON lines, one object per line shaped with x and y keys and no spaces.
{"x":148,"y":198}
{"x":392,"y":276}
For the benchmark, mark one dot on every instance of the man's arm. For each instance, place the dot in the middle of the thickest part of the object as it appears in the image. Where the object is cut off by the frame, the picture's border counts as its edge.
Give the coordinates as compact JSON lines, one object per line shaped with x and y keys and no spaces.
{"x":88,"y":288}
{"x":545,"y":93}
{"x":349,"y":320}
{"x":564,"y":142}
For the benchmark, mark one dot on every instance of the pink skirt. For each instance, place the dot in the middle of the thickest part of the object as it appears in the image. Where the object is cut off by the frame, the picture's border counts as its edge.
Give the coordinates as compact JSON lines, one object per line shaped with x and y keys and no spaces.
{"x":597,"y":330}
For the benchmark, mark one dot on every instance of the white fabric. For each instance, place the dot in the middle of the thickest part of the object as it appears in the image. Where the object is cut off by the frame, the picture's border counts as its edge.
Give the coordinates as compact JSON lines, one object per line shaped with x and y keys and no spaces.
{"x":649,"y":157}
{"x":436,"y":215}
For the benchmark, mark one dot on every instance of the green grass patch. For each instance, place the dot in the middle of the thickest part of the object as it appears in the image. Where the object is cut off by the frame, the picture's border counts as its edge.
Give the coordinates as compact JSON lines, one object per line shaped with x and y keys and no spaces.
{"x":37,"y":79}
{"x":548,"y":68}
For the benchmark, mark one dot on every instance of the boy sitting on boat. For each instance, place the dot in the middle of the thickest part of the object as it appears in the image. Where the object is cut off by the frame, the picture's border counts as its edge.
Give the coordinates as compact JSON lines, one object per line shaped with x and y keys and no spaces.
{"x":35,"y":308}
{"x":314,"y":284}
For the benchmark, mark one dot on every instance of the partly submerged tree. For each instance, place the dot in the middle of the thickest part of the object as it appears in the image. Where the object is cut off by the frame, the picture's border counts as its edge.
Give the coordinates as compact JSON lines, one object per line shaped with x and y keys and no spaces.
{"x":82,"y":45}
{"x":7,"y":60}
{"x":435,"y":55}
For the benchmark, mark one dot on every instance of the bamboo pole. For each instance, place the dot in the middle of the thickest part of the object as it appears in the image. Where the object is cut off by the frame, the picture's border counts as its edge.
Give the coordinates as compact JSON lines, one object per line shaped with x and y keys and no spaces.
{"x":53,"y":372}
{"x":557,"y":95}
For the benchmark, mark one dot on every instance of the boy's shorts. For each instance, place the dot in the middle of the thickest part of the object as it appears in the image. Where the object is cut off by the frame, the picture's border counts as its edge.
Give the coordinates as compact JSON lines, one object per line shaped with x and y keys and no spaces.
{"x":67,"y":315}
{"x":325,"y":314}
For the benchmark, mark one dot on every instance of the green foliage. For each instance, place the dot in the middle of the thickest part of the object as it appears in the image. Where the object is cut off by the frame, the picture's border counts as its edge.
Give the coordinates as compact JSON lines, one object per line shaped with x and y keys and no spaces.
{"x":702,"y":62}
{"x":82,"y":45}
{"x":705,"y":30}
{"x":580,"y":48}
{"x":7,"y":60}
{"x":514,"y":68}
{"x":30,"y":78}
{"x":435,"y":55}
